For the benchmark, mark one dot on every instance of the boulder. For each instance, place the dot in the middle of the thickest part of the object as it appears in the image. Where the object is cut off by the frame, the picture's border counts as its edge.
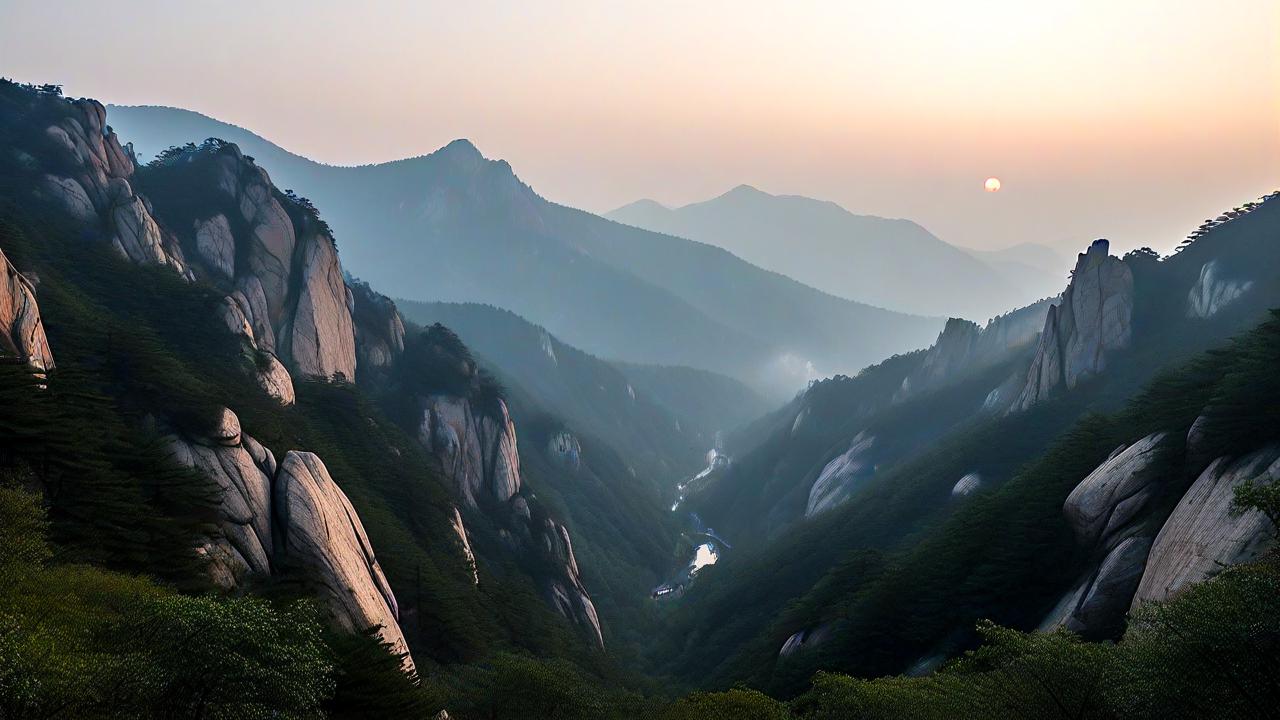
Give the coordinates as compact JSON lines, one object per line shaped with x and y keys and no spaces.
{"x":1113,"y":494}
{"x":841,"y":476}
{"x":1201,"y":536}
{"x":1212,"y":292}
{"x":320,"y":531}
{"x":21,"y":329}
{"x":1093,"y":319}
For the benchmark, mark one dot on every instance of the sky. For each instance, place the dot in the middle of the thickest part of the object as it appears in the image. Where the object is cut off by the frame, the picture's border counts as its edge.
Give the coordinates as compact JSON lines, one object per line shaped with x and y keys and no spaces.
{"x":1128,"y":119}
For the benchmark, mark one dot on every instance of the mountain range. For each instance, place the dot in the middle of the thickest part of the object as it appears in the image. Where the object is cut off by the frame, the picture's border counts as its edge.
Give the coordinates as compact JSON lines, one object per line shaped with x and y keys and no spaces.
{"x":454,"y":226}
{"x":237,"y":481}
{"x":892,"y":263}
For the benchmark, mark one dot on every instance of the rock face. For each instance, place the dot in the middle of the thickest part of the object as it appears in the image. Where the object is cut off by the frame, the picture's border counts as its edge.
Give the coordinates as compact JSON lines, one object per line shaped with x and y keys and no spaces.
{"x":244,"y":502}
{"x":378,"y":326}
{"x":1201,"y":536}
{"x":1107,"y":512}
{"x":964,"y":347}
{"x":477,"y":450}
{"x":290,"y":285}
{"x":99,"y":188}
{"x":568,"y":594}
{"x":465,"y":542}
{"x":805,"y":639}
{"x":952,"y":352}
{"x":1212,"y":292}
{"x":1115,"y":492}
{"x":479,"y":458}
{"x":21,"y":330}
{"x":565,"y":448}
{"x":967,"y":485}
{"x":841,"y":476}
{"x":323,"y":342}
{"x":1100,"y":612}
{"x":319,"y":530}
{"x":1092,"y":320}
{"x":291,"y":514}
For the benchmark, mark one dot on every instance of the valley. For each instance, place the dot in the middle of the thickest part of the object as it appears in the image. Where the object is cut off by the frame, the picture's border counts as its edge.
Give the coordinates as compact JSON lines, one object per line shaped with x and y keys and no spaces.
{"x":287,"y":439}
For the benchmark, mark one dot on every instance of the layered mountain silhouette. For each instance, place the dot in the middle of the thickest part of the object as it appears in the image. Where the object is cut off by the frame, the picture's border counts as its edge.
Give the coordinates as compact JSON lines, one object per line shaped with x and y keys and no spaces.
{"x":454,"y":226}
{"x":888,"y":262}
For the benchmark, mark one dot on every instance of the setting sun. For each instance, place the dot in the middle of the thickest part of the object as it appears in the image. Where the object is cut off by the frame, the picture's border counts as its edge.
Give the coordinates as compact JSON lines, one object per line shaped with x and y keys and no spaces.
{"x":992,"y":184}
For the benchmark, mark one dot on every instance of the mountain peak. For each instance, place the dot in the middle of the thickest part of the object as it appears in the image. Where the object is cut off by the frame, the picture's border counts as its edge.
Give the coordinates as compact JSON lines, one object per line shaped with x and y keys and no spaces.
{"x":745,"y":191}
{"x":461,"y":148}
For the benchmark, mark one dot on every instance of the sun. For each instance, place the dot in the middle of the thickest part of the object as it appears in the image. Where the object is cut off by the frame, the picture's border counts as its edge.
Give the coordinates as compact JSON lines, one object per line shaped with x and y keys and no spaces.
{"x":992,"y":184}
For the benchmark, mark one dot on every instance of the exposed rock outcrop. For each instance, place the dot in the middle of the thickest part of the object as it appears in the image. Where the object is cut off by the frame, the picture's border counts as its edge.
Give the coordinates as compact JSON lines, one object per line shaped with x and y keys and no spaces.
{"x":1114,"y":493}
{"x":21,"y":330}
{"x":216,"y":245}
{"x":565,"y":448}
{"x":477,"y":450}
{"x":291,"y":514}
{"x":1100,"y":612}
{"x":568,"y":594}
{"x":964,"y":347}
{"x":1092,"y":320}
{"x":967,"y":485}
{"x":323,"y":340}
{"x":455,"y":522}
{"x":1201,"y":536}
{"x":1107,"y":512}
{"x":841,"y":476}
{"x":1212,"y":292}
{"x":378,"y":326}
{"x":479,"y":458}
{"x":319,"y":530}
{"x":806,"y":639}
{"x":99,"y":189}
{"x":244,"y":502}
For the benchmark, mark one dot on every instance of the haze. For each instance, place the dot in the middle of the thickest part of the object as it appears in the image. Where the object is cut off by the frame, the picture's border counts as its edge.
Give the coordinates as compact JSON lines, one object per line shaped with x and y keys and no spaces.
{"x":1133,"y":120}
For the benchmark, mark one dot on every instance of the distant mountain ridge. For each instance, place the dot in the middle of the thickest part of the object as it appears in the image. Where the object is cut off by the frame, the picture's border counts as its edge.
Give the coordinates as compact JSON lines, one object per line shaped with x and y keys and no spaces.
{"x":888,"y":262}
{"x":617,"y":292}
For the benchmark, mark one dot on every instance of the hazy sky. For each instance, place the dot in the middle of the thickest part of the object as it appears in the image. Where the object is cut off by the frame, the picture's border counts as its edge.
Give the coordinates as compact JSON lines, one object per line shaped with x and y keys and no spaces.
{"x":1131,"y":119}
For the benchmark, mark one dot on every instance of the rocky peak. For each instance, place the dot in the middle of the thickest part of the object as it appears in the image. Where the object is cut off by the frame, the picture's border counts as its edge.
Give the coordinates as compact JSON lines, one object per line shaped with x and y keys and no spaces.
{"x":1093,"y":319}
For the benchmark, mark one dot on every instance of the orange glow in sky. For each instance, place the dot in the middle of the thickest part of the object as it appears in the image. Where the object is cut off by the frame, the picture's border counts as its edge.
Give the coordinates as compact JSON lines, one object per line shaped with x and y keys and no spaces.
{"x":1128,"y":119}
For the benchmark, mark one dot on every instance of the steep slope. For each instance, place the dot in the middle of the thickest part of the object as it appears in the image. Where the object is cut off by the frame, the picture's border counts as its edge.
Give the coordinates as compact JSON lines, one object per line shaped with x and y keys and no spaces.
{"x":1030,"y":509}
{"x":231,"y":341}
{"x":891,"y":263}
{"x":649,"y":412}
{"x":614,"y":291}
